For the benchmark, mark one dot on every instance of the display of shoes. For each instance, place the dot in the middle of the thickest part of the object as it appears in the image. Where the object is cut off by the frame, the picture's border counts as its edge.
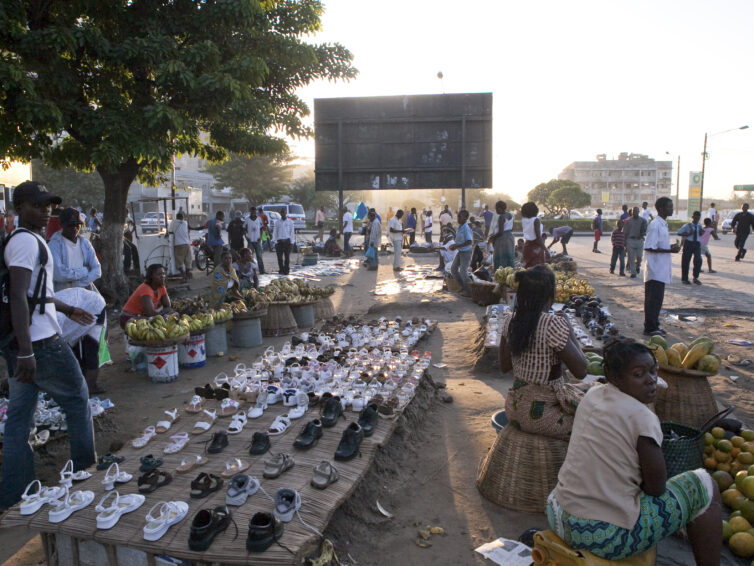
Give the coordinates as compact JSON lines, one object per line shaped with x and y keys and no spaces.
{"x":207,"y":524}
{"x":36,"y":495}
{"x":218,"y":442}
{"x":264,"y":529}
{"x":240,"y":488}
{"x":162,"y":516}
{"x":350,"y":442}
{"x":69,"y":504}
{"x":325,"y":474}
{"x":153,"y":480}
{"x":118,"y":505}
{"x":369,"y":419}
{"x":287,"y":503}
{"x":114,"y":475}
{"x":277,"y":464}
{"x":331,"y":412}
{"x":205,"y":484}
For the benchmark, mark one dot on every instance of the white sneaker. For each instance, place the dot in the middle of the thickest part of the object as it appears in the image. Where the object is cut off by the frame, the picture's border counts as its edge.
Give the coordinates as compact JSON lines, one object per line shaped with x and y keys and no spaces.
{"x":287,"y":502}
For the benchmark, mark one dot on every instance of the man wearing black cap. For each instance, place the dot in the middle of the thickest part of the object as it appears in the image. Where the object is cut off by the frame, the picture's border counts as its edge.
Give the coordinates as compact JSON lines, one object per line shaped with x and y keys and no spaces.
{"x":76,"y":264}
{"x":37,"y":358}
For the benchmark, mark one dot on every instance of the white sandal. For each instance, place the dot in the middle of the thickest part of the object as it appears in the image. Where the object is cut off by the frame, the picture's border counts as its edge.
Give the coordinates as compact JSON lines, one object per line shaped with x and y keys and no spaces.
{"x":113,"y":475}
{"x":168,"y":513}
{"x":31,"y":503}
{"x":144,"y":439}
{"x":203,"y":426}
{"x":229,"y":407}
{"x":233,"y":467}
{"x":259,"y":407}
{"x":237,"y":423}
{"x":188,"y":464}
{"x":302,"y":404}
{"x":195,"y":405}
{"x":108,"y":517}
{"x":72,"y":503}
{"x":279,"y":425}
{"x":178,"y":442}
{"x":164,"y":426}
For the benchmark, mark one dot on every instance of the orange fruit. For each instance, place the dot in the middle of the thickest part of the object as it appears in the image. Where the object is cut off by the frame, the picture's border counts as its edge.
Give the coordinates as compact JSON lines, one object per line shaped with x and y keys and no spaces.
{"x":746,"y":458}
{"x":722,"y":466}
{"x":737,"y":441}
{"x":718,"y":432}
{"x":722,"y":456}
{"x":724,"y":445}
{"x":739,"y":524}
{"x":729,"y":495}
{"x":734,"y":452}
{"x":723,"y":479}
{"x":739,"y":479}
{"x":747,"y":487}
{"x":742,"y":544}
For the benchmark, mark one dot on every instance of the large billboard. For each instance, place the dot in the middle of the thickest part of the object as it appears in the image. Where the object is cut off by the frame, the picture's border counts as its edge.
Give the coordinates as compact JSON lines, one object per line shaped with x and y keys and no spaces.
{"x":441,"y":141}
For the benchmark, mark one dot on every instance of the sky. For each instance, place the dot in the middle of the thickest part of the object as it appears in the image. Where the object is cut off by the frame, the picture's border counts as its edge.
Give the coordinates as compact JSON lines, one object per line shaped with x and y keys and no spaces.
{"x":570,"y":80}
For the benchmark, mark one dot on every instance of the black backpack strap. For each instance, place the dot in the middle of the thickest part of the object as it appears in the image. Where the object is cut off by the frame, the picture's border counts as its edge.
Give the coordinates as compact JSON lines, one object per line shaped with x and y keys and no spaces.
{"x":39,"y":296}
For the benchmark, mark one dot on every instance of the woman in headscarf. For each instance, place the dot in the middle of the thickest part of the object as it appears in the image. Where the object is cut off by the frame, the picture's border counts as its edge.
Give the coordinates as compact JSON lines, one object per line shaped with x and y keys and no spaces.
{"x":225,"y":283}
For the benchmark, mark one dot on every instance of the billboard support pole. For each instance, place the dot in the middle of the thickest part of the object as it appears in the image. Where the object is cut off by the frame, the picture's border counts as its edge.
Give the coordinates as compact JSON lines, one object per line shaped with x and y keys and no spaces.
{"x":463,"y":163}
{"x":341,"y":210}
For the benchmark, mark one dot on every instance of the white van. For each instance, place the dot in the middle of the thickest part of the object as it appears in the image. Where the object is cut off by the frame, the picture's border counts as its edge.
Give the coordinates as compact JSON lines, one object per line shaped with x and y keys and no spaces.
{"x":294,"y":211}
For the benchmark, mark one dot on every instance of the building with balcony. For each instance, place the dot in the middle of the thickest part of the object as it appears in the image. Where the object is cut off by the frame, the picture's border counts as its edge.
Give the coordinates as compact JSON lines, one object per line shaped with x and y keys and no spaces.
{"x":630,"y":179}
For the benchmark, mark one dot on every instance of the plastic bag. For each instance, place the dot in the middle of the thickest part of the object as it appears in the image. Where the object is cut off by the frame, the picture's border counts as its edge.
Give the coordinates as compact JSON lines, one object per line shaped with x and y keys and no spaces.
{"x":371,"y":253}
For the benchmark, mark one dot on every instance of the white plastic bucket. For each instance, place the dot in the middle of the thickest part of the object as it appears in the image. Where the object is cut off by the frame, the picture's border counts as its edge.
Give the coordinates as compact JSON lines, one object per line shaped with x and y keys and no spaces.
{"x":162,"y":362}
{"x":192,"y":353}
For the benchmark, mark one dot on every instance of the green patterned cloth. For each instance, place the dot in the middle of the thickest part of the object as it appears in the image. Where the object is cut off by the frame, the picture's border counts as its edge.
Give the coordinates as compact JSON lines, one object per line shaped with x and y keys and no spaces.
{"x":546,"y":409}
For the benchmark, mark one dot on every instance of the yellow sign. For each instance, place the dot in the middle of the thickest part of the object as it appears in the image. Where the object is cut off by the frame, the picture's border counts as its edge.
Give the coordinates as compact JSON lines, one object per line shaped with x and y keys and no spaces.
{"x":605,"y":196}
{"x":695,"y":191}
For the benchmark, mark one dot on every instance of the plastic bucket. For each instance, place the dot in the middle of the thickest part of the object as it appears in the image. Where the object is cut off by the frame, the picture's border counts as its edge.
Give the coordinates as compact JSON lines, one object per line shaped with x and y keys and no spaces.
{"x":137,"y":356}
{"x":216,"y":340}
{"x":304,"y":315}
{"x":246,"y":333}
{"x":192,"y":353}
{"x":162,"y":363}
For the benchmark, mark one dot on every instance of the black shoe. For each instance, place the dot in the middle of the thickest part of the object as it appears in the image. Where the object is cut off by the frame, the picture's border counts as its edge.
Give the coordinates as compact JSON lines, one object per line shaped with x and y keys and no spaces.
{"x":264,"y":529}
{"x":218,"y":442}
{"x":260,"y":443}
{"x":309,"y":436}
{"x":633,"y":276}
{"x":368,"y":419}
{"x":331,"y":412}
{"x":657,"y":332}
{"x":622,"y":274}
{"x":612,"y":271}
{"x":685,"y":281}
{"x":207,"y":524}
{"x":743,"y":253}
{"x":104,"y":462}
{"x":349,"y":442}
{"x":697,"y":282}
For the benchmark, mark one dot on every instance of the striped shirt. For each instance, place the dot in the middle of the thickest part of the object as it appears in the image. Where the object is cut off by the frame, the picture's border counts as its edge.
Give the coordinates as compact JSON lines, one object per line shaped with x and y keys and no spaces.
{"x":550,"y":337}
{"x":618,"y":238}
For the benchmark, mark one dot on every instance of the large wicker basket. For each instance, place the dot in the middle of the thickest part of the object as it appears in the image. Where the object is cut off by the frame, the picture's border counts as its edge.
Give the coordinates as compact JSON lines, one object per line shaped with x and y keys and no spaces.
{"x":521,"y":470}
{"x":279,"y":320}
{"x":451,"y":283}
{"x":324,"y":309}
{"x":688,"y":399}
{"x":484,"y":293}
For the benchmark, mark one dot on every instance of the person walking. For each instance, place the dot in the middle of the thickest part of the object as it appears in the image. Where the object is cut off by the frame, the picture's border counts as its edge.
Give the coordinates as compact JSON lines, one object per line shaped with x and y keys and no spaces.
{"x":236,"y":231}
{"x":284,"y":236}
{"x":374,"y":239}
{"x":742,"y":225}
{"x":563,"y":235}
{"x":94,"y":222}
{"x":646,"y":214}
{"x":38,"y":359}
{"x":487,"y":215}
{"x":634,"y":230}
{"x":428,"y":227}
{"x":692,"y":233}
{"x":319,"y":222}
{"x":347,"y":230}
{"x":395,"y":232}
{"x":597,"y":227}
{"x":707,"y":232}
{"x":254,"y":226}
{"x":411,"y":227}
{"x":618,"y":239}
{"x":463,"y":243}
{"x":215,"y":237}
{"x":659,"y":271}
{"x":501,"y":237}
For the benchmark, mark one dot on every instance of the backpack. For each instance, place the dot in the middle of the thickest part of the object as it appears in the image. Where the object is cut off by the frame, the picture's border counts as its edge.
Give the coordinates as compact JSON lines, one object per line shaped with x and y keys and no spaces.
{"x":39,"y":296}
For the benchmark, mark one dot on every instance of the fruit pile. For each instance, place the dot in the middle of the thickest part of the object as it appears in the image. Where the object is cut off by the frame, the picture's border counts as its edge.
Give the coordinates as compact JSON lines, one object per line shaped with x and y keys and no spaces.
{"x":157,"y":328}
{"x":191,"y":306}
{"x":507,"y":276}
{"x":198,"y":321}
{"x":594,"y":364}
{"x":254,"y":299}
{"x":567,"y":285}
{"x":730,"y":459}
{"x":291,"y":291}
{"x":697,"y":355}
{"x":221,"y":314}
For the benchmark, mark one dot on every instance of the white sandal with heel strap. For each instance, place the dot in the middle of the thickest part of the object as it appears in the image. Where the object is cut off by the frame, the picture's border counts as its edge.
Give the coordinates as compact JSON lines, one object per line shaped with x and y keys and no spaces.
{"x":164,"y":426}
{"x":144,"y":439}
{"x":204,"y":426}
{"x":108,"y":517}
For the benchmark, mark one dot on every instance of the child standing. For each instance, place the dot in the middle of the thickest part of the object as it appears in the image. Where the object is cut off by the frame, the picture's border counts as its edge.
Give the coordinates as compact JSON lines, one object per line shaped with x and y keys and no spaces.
{"x":613,"y":497}
{"x":618,"y":239}
{"x":597,"y":227}
{"x":707,"y":233}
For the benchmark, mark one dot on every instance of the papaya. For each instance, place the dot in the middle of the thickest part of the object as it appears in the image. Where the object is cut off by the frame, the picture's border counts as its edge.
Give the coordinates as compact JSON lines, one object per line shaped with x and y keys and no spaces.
{"x":681,"y":348}
{"x":659,"y":353}
{"x":696,"y":353}
{"x":660,"y":341}
{"x":674,"y":358}
{"x":595,"y":368}
{"x":708,"y":363}
{"x":700,"y":339}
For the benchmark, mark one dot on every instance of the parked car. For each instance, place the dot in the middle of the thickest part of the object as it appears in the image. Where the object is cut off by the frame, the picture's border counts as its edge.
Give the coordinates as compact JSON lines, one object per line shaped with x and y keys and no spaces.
{"x":729,"y":220}
{"x":153,"y":222}
{"x":294,"y":211}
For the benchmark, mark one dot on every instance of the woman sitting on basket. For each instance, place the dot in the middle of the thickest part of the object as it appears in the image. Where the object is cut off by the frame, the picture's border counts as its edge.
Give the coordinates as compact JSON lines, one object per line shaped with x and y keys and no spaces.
{"x":535,"y":344}
{"x":613,"y":497}
{"x":225,"y":283}
{"x":150,"y":298}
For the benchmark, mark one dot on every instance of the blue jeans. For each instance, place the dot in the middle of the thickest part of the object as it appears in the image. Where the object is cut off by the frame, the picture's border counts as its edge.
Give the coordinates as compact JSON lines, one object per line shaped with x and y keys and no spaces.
{"x":460,"y":268}
{"x":257,"y":247}
{"x":691,"y":250}
{"x":59,"y":374}
{"x":347,"y":243}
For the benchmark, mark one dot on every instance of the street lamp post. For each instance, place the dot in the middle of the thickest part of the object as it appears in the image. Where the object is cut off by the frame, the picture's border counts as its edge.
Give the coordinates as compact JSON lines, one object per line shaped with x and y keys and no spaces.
{"x":705,"y":157}
{"x":677,"y":180}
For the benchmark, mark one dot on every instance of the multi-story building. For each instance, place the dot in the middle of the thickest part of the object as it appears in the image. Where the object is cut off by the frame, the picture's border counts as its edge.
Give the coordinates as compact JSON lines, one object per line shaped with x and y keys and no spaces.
{"x":630,"y":179}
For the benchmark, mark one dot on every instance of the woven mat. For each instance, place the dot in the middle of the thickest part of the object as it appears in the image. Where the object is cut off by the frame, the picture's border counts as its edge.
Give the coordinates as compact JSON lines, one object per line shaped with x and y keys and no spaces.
{"x":297,"y":541}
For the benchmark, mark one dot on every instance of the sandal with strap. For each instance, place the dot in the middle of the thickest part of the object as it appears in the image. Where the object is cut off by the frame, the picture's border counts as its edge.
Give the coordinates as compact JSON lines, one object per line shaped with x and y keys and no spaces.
{"x":164,"y":426}
{"x":113,"y":475}
{"x":178,"y":442}
{"x":279,"y":426}
{"x":108,"y":516}
{"x":162,"y":516}
{"x":149,"y":463}
{"x":73,"y":502}
{"x":205,"y":484}
{"x":195,"y":405}
{"x":104,"y":462}
{"x":203,"y":426}
{"x":153,"y":480}
{"x":144,"y":439}
{"x":325,"y":474}
{"x":236,"y":425}
{"x":33,"y":502}
{"x":233,"y":467}
{"x":188,"y":464}
{"x":277,"y":464}
{"x":229,"y":407}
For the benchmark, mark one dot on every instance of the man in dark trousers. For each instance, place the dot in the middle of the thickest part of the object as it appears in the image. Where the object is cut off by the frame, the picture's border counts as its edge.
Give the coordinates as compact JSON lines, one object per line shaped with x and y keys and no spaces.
{"x":742,"y":225}
{"x":659,"y":269}
{"x":692,"y":247}
{"x":284,"y":236}
{"x":36,"y":356}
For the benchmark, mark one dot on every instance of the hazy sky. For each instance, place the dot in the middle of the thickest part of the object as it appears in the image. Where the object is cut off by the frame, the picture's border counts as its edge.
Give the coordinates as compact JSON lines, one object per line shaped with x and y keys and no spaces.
{"x":569,"y":79}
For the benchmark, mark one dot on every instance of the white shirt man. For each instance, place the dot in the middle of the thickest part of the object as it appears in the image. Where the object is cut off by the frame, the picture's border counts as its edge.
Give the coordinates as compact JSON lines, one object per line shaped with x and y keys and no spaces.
{"x":712,"y":214}
{"x":659,"y":266}
{"x":253,"y":228}
{"x":347,"y":223}
{"x":445,"y":218}
{"x":646,"y":214}
{"x":180,"y":230}
{"x":284,"y":230}
{"x":395,"y":233}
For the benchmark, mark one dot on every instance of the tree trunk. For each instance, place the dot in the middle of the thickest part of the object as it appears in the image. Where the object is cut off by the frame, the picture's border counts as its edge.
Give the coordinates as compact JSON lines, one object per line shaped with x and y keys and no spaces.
{"x":114,"y":280}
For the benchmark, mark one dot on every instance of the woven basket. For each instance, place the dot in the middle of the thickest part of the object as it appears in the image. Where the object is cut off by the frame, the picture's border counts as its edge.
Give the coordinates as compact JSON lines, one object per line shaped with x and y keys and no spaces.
{"x":157,"y":343}
{"x":687,"y":400}
{"x":452,"y":285}
{"x":682,"y":454}
{"x":484,"y":293}
{"x":521,"y":470}
{"x":279,"y":317}
{"x":324,"y":309}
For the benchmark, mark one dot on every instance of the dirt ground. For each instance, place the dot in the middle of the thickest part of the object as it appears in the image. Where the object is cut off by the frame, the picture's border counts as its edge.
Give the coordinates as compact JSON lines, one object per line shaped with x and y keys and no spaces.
{"x":426,"y":475}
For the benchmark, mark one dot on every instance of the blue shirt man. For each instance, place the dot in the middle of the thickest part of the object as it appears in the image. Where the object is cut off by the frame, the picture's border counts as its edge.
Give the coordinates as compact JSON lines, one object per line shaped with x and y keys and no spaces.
{"x":487,"y":215}
{"x":464,"y":237}
{"x":214,"y":230}
{"x":411,"y":220}
{"x":75,"y":263}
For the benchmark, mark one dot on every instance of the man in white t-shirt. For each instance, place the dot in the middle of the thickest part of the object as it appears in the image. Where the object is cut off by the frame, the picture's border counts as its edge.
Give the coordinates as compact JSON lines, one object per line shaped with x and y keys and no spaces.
{"x":37,"y":358}
{"x":254,"y":226}
{"x":181,"y":245}
{"x":714,"y":217}
{"x":659,"y":269}
{"x":646,"y":214}
{"x":395,"y":233}
{"x":347,"y":231}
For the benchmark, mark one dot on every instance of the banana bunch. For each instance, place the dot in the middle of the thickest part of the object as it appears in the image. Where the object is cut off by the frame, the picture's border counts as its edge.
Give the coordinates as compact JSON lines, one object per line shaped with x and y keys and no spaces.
{"x":237,"y":306}
{"x":157,"y":328}
{"x":198,"y":321}
{"x":222,"y":314}
{"x":316,"y":292}
{"x":191,"y":306}
{"x":254,"y":299}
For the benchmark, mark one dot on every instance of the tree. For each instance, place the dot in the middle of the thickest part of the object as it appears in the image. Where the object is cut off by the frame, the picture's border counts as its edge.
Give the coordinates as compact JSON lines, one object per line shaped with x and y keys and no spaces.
{"x":567,"y":198}
{"x":260,"y":178}
{"x":74,"y":187}
{"x":542,"y":193}
{"x":302,"y":191}
{"x":120,"y":87}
